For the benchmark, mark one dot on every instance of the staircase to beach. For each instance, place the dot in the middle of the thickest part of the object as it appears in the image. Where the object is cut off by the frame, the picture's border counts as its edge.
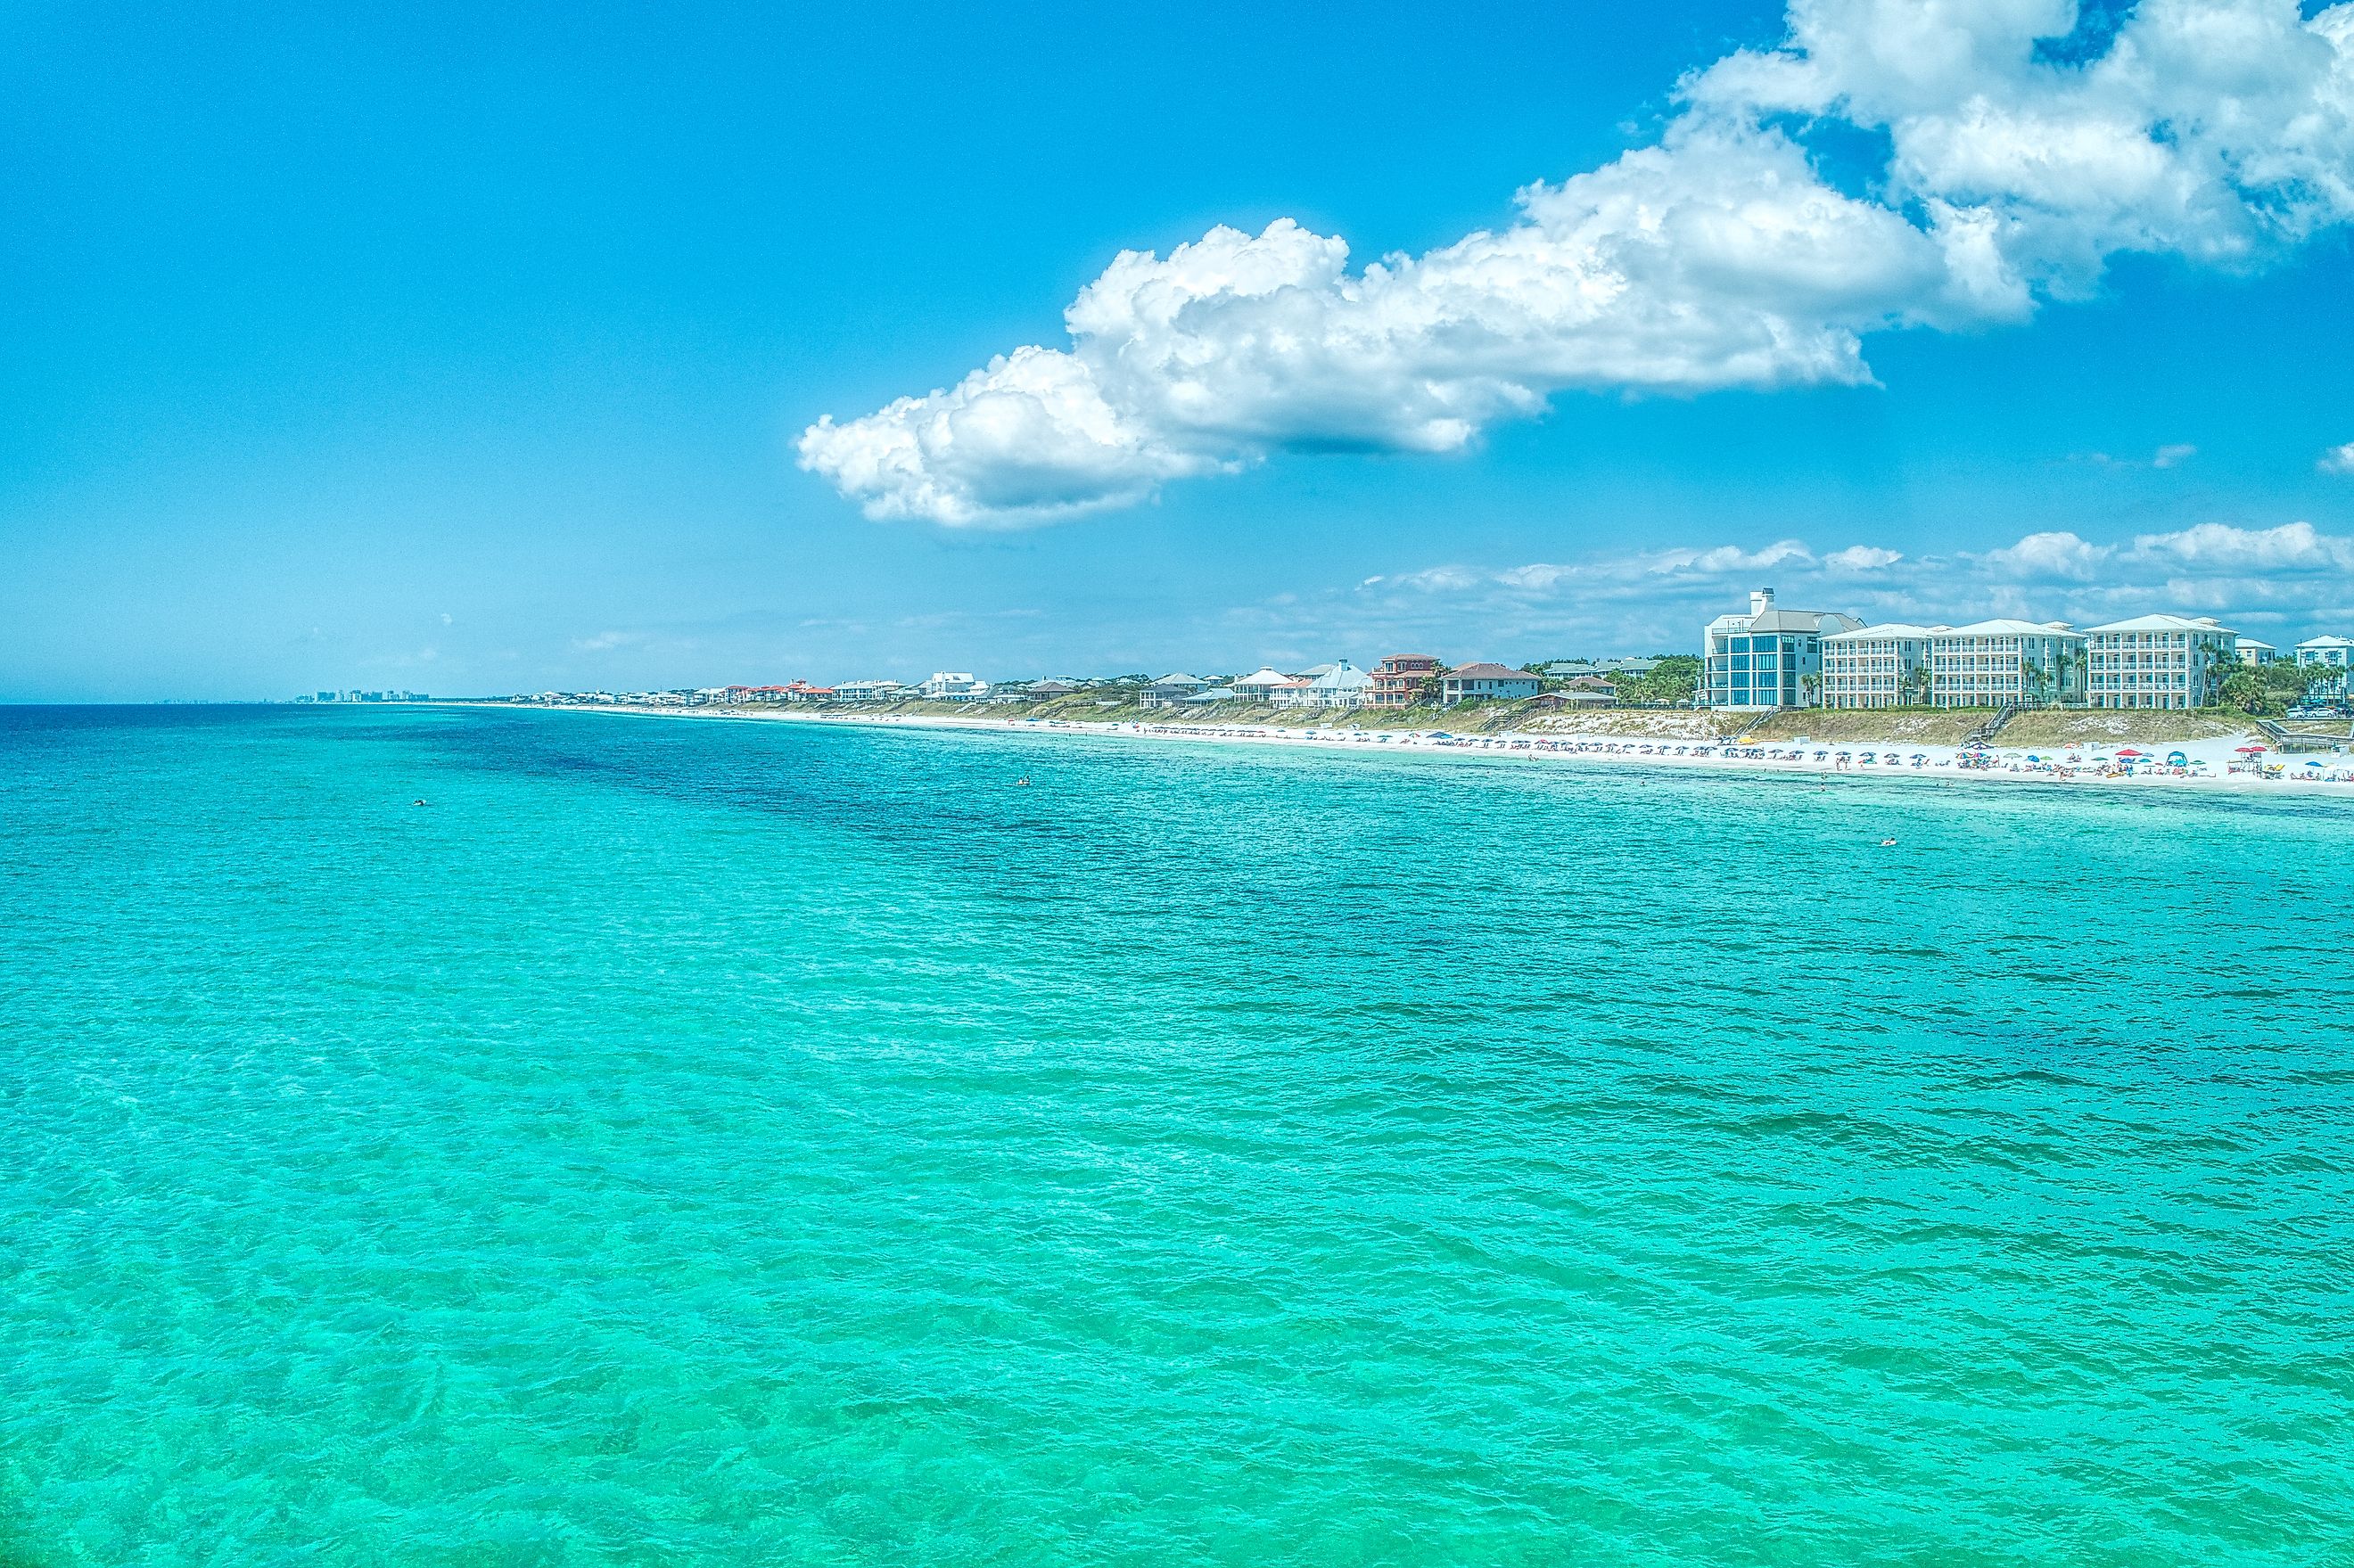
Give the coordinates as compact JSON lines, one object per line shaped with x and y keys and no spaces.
{"x":1993,"y":726}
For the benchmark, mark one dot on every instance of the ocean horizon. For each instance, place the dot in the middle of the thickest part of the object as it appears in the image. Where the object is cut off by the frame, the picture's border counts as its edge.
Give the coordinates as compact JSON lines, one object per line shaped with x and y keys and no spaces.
{"x":446,"y":1136}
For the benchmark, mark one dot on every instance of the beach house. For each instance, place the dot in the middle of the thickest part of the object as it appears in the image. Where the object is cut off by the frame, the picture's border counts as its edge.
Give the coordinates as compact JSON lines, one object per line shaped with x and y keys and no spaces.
{"x":1488,"y":681}
{"x":1770,"y":658}
{"x":2252,"y":652}
{"x":1265,"y":685}
{"x":1878,"y":666}
{"x":2158,"y":662}
{"x":952,"y":686}
{"x":866,"y":691}
{"x":1398,"y":679}
{"x":1339,"y":684}
{"x":1169,"y":690}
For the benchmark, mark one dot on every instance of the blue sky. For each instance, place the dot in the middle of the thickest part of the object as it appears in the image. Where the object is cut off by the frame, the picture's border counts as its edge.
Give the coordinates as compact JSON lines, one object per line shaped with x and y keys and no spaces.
{"x":469,"y":352}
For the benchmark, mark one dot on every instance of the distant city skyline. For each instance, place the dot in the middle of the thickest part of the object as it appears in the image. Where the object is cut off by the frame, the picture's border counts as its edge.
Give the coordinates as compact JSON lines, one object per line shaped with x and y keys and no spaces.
{"x":473,"y":352}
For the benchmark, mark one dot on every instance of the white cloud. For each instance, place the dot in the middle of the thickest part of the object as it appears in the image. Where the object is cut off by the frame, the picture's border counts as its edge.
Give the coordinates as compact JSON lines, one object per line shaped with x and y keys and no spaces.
{"x":2219,"y":547}
{"x":2174,"y":455}
{"x":2040,"y":556}
{"x":2217,"y":130}
{"x":1646,"y":601}
{"x":2337,"y":459}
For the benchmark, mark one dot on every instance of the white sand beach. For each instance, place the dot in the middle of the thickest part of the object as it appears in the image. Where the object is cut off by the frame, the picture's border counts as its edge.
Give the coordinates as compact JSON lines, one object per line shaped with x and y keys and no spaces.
{"x":2240,"y":763}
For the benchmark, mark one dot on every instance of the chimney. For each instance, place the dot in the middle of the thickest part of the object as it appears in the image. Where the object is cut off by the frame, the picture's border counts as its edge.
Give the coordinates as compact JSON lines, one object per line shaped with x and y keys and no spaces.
{"x":1761,"y":602}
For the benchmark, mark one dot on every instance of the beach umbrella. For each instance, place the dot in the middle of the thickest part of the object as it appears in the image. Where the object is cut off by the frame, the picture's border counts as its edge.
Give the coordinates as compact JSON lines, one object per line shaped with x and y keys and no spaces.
{"x":2129,"y":751}
{"x":2249,"y":750}
{"x":2177,"y":759}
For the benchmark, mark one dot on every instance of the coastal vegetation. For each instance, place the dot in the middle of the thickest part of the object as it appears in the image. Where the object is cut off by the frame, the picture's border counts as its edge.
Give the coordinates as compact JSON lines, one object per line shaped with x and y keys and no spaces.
{"x":2271,"y":690}
{"x":2053,"y":728}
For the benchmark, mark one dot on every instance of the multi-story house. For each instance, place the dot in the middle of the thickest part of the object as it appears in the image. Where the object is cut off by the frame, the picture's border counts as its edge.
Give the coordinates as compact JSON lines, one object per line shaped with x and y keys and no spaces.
{"x":2006,"y":663}
{"x":1398,"y":679}
{"x":2158,"y":662}
{"x":2334,"y":655}
{"x":2252,"y":652}
{"x":1339,"y":684}
{"x":1770,"y":658}
{"x":1878,"y":666}
{"x":952,"y":686}
{"x":1170,"y":690}
{"x":1492,"y":681}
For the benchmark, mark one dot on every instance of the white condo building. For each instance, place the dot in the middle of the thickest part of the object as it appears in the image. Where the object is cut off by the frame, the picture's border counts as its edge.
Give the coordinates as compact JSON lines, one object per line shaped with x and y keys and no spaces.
{"x":2006,"y":663}
{"x":1878,"y":666}
{"x":2333,"y":653}
{"x":2158,"y":662}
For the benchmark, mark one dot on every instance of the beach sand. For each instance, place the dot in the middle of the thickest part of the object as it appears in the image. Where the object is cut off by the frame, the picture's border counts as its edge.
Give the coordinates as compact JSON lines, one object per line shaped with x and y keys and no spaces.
{"x":2213,"y":763}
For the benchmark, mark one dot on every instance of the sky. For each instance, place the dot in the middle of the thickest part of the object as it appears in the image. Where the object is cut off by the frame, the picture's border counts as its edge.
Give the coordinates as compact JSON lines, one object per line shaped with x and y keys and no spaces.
{"x":477,"y":349}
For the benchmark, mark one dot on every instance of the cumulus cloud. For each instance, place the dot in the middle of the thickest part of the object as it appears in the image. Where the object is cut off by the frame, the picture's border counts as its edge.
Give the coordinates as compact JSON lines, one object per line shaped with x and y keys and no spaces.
{"x":2174,"y":455}
{"x":2020,"y":155}
{"x":2337,"y":459}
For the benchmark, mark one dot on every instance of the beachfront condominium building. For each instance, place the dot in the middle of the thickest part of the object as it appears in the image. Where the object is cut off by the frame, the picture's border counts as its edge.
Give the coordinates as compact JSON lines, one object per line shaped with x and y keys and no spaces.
{"x":2328,"y":658}
{"x":1770,"y":658}
{"x":858,"y":691}
{"x":1878,"y":666}
{"x":1475,"y":681}
{"x":2006,"y":663}
{"x":2158,"y":662}
{"x":1398,"y":679}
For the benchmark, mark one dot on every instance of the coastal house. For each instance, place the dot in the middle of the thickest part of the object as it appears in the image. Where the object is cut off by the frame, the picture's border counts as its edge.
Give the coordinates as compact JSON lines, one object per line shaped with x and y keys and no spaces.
{"x":1339,"y":684}
{"x":2333,"y":655}
{"x":2006,"y":663}
{"x":2158,"y":662}
{"x":1169,"y":690}
{"x":952,"y":686}
{"x":1399,"y":678}
{"x":1770,"y":658}
{"x":868,"y":691}
{"x":2251,"y":652}
{"x":1878,"y":666}
{"x":1582,"y":694}
{"x":1265,"y":685}
{"x":1487,"y":680}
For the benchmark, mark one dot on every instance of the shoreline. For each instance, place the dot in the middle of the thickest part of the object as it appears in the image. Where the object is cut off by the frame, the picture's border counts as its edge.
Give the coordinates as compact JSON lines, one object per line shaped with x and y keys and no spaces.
{"x":2066,"y":767}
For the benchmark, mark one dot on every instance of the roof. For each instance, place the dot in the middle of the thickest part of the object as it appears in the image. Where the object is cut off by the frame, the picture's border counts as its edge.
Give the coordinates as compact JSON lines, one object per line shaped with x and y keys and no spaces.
{"x":1822,"y":620}
{"x":2001,"y":628}
{"x":1315,"y":670}
{"x":1267,"y":676}
{"x":1489,"y":672}
{"x":1181,"y":679}
{"x":2326,"y":642}
{"x":1892,"y":629}
{"x":2257,"y":643}
{"x":2163,"y":623}
{"x":1342,"y":677}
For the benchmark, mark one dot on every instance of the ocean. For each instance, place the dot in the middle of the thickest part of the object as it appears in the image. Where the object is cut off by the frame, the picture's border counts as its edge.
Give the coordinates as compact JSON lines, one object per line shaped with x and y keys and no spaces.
{"x":677,"y":1142}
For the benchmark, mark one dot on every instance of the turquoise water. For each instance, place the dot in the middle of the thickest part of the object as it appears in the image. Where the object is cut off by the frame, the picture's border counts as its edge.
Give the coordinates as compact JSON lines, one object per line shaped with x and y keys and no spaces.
{"x":684,"y":1143}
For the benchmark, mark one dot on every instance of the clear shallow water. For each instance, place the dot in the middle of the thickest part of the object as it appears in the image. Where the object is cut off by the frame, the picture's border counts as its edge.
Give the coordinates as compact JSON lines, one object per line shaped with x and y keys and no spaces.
{"x":753,"y":1143}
